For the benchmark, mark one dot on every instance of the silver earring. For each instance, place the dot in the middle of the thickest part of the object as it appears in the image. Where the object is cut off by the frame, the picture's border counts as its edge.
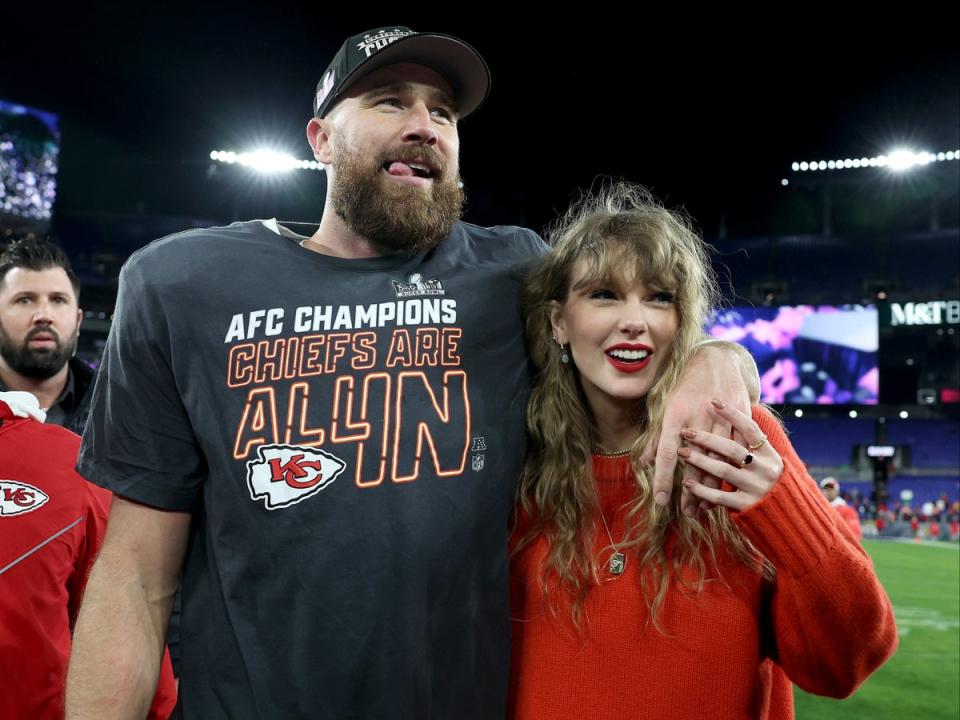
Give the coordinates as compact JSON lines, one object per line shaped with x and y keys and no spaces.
{"x":564,"y":355}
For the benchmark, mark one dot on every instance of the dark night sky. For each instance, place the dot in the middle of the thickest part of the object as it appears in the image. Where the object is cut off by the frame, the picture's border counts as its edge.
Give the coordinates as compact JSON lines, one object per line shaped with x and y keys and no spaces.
{"x":707,"y":111}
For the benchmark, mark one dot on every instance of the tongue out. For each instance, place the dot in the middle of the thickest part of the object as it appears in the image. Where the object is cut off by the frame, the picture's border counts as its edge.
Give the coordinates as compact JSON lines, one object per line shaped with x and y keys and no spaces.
{"x":401,"y":169}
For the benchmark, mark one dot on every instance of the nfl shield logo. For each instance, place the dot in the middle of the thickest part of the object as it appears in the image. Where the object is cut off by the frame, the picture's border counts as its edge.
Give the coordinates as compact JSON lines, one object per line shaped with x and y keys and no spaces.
{"x":477,"y":463}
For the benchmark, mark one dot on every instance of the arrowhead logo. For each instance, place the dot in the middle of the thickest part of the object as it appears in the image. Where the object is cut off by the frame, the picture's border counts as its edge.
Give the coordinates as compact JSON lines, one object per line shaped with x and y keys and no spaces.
{"x":283,"y":475}
{"x":17,"y":498}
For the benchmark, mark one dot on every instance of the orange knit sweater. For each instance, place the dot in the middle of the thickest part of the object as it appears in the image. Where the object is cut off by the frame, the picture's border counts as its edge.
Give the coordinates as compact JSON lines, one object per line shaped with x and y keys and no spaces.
{"x":729,"y":652}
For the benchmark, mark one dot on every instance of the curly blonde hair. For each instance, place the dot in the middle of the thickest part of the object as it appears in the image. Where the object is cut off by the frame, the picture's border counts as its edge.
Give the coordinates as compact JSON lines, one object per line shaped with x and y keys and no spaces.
{"x":619,"y":232}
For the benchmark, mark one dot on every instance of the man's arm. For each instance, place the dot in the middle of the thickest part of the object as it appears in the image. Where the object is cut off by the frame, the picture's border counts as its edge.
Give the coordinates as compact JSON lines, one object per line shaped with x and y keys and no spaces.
{"x":719,"y":369}
{"x":120,"y":634}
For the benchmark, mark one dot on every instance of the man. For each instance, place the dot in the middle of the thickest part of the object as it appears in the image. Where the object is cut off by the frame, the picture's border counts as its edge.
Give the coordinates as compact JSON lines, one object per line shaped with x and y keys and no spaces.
{"x":39,"y":325}
{"x":332,"y":443}
{"x":831,"y":491}
{"x":52,"y":523}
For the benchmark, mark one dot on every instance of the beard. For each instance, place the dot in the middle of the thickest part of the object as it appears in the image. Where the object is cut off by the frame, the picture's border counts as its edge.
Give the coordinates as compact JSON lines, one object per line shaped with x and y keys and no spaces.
{"x":395,"y":218}
{"x":38,"y":364}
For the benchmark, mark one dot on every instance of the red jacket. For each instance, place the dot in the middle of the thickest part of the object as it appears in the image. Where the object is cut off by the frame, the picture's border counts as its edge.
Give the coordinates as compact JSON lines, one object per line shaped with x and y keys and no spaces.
{"x":52,"y":523}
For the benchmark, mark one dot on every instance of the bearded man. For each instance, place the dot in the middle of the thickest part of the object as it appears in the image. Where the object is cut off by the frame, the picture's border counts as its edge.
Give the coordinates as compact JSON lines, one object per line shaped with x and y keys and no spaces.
{"x":39,"y":325}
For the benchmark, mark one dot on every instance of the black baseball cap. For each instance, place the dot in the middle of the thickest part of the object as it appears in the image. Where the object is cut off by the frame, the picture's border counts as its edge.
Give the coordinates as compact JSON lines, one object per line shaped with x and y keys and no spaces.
{"x":455,"y":60}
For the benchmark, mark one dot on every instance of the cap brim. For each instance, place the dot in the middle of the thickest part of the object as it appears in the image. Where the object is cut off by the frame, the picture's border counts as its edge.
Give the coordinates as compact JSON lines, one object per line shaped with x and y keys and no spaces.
{"x":455,"y":60}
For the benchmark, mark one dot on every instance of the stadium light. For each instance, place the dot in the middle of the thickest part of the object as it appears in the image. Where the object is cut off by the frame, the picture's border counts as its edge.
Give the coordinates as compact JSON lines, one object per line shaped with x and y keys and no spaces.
{"x":898,"y":160}
{"x":904,"y":414}
{"x":798,"y":413}
{"x":264,"y":160}
{"x":853,"y":413}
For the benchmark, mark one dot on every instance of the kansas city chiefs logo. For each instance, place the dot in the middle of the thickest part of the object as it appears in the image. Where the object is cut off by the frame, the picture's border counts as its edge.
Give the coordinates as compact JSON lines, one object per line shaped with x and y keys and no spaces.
{"x":17,"y":498}
{"x":283,"y":475}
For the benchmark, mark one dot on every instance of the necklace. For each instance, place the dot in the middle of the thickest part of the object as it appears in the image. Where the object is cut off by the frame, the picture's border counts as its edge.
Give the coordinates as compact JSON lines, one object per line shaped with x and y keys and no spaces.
{"x":602,"y":452}
{"x":618,"y":561}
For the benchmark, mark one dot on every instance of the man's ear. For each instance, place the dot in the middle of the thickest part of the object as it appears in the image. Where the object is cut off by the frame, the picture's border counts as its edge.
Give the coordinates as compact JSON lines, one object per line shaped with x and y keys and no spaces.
{"x":318,"y":135}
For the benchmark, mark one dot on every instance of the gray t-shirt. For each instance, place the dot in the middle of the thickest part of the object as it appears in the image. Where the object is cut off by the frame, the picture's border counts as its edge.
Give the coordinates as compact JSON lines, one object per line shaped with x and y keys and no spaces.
{"x":347,"y":434}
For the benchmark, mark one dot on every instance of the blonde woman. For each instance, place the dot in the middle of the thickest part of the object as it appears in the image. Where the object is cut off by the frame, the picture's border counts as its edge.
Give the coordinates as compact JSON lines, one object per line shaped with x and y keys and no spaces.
{"x":625,"y":609}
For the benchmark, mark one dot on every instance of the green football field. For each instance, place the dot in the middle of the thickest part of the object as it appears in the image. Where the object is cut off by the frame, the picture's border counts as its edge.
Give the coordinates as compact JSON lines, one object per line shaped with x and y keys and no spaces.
{"x":922,"y":680}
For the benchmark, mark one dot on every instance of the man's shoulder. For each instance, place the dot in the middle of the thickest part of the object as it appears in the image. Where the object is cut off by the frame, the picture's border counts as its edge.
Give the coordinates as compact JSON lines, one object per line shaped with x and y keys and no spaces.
{"x":189,"y":246}
{"x":206,"y":254}
{"x":508,"y":242}
{"x":502,"y":233}
{"x":32,"y":437}
{"x":45,"y":460}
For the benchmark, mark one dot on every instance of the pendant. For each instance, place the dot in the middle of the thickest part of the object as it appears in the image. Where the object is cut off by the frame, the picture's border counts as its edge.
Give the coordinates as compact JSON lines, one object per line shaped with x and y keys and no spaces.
{"x":618,"y":562}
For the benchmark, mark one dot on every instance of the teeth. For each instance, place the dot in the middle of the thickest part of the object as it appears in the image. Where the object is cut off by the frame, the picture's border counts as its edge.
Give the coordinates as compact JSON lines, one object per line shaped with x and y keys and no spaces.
{"x":421,"y":168}
{"x":629,"y":354}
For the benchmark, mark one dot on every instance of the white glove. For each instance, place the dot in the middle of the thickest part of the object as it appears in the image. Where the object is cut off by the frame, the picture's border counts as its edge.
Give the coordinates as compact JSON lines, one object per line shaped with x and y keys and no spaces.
{"x":23,"y":404}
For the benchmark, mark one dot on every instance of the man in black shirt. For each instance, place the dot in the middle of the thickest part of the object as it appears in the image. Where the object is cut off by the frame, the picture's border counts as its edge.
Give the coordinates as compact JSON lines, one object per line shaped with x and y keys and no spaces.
{"x":39,"y":324}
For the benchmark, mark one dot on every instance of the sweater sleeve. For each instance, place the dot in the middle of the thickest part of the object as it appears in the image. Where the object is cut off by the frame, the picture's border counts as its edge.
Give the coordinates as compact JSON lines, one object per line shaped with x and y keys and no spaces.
{"x":830,"y":621}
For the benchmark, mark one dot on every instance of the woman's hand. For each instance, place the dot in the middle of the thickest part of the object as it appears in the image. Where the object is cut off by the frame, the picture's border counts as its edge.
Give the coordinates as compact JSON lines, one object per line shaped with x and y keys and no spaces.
{"x":753,"y":470}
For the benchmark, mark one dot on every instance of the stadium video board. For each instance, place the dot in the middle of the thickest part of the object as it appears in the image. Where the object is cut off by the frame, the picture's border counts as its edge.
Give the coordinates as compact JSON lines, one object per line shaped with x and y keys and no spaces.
{"x":808,"y":354}
{"x":29,"y":154}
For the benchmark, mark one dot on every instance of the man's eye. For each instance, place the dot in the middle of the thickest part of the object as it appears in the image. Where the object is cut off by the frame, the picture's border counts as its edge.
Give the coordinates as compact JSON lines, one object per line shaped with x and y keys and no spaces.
{"x":391,"y":101}
{"x":442,"y":113}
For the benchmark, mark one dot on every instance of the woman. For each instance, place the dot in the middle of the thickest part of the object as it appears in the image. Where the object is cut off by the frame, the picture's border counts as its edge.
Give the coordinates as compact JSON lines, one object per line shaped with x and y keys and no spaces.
{"x":621,"y":608}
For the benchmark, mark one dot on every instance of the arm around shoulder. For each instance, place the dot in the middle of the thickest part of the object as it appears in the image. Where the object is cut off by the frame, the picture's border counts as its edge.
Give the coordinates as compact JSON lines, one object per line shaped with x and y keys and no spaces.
{"x":741,"y":359}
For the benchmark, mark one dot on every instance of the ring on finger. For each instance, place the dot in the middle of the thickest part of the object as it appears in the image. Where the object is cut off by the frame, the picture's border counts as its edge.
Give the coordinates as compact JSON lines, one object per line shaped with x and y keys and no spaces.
{"x":757,"y":445}
{"x":746,"y":460}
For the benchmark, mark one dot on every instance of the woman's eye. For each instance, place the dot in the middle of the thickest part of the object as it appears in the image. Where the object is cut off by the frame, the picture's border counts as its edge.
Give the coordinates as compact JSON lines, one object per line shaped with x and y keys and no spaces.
{"x":663,"y":297}
{"x":602,"y":294}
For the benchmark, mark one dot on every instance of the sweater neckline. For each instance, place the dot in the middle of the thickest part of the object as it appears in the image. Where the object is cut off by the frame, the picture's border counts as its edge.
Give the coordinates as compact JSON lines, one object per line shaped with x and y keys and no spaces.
{"x":614,"y":469}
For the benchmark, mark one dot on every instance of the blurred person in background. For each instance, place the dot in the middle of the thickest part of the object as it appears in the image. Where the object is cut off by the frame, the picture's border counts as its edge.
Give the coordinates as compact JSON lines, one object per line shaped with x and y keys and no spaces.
{"x":831,"y":491}
{"x":39,"y":325}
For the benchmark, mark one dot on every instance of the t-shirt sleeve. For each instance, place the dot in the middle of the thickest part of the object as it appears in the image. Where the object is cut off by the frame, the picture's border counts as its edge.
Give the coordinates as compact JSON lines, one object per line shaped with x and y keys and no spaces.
{"x":139,"y":442}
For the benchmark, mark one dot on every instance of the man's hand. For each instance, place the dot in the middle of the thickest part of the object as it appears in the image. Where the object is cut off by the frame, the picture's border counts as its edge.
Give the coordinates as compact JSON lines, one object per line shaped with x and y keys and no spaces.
{"x":718,"y":370}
